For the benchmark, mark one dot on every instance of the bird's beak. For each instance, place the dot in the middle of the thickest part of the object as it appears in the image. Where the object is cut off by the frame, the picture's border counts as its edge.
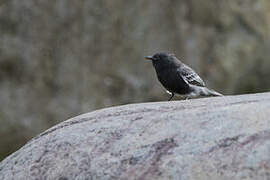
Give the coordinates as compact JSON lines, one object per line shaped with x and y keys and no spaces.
{"x":148,"y":57}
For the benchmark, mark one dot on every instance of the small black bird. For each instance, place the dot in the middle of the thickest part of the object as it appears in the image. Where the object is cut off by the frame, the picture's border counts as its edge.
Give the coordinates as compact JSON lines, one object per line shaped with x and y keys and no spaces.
{"x":178,"y":78}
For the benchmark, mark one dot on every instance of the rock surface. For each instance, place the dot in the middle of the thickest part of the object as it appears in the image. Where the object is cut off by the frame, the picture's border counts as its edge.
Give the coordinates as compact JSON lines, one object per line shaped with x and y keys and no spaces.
{"x":210,"y":138}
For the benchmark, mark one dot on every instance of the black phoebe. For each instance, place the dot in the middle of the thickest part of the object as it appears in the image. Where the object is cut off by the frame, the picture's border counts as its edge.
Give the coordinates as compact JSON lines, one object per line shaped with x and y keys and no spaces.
{"x":178,"y":78}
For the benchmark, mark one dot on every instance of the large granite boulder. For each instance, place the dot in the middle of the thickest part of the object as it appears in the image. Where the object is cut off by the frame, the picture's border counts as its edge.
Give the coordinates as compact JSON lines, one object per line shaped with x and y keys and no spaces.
{"x":210,"y":138}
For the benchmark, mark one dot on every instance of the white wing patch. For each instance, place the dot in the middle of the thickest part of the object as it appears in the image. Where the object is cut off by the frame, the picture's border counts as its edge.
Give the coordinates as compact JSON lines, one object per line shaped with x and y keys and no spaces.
{"x":168,"y":92}
{"x":190,"y":77}
{"x":194,"y":78}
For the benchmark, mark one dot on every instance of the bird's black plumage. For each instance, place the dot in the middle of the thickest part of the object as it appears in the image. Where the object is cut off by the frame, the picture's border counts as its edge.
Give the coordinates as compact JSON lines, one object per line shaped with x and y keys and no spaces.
{"x":177,"y":77}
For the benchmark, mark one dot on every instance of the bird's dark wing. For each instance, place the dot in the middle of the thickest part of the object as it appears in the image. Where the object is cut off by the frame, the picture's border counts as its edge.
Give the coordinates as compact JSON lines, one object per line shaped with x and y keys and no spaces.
{"x":190,"y":76}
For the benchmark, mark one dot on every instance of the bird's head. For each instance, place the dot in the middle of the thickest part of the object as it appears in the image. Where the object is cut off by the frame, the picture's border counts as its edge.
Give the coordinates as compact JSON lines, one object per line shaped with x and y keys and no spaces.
{"x":162,"y":59}
{"x":159,"y":57}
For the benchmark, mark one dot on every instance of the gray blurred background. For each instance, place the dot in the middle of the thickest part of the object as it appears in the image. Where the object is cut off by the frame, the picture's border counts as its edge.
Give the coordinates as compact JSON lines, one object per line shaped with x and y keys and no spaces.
{"x":61,"y":58}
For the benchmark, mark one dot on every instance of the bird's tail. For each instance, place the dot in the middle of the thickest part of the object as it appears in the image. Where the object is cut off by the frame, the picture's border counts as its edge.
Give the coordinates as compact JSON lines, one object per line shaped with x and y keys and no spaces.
{"x":209,"y":92}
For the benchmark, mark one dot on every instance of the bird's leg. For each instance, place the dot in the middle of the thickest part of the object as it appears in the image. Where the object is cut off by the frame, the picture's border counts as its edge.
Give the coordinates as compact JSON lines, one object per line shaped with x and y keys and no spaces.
{"x":171,"y":96}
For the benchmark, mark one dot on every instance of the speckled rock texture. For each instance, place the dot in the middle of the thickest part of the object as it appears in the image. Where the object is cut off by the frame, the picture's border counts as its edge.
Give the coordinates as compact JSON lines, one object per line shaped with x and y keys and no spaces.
{"x":209,"y":138}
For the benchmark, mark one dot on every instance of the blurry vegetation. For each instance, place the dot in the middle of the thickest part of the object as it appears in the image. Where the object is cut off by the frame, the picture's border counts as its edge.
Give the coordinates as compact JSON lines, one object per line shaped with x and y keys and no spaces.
{"x":62,"y":58}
